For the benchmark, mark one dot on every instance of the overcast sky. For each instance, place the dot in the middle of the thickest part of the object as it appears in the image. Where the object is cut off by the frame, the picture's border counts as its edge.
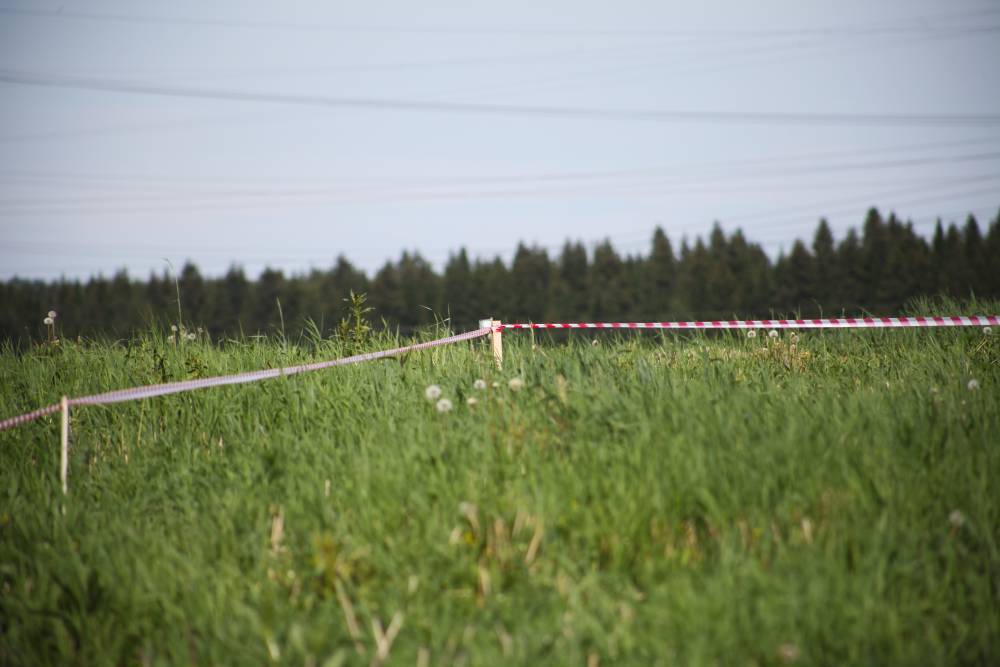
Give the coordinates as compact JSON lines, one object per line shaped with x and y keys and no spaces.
{"x":283,"y":134}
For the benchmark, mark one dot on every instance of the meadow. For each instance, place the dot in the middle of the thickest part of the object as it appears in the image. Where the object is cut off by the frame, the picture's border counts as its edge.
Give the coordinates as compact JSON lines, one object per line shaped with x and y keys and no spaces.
{"x":649,"y":499}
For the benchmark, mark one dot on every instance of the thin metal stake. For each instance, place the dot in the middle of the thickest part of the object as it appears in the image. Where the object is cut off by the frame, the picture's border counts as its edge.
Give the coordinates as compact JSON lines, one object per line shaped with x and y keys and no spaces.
{"x":64,"y":455}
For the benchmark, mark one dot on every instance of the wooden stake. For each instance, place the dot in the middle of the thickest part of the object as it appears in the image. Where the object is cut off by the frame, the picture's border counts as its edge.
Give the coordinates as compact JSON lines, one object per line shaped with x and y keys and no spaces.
{"x":497,"y":344}
{"x":495,"y":341}
{"x":64,"y":454}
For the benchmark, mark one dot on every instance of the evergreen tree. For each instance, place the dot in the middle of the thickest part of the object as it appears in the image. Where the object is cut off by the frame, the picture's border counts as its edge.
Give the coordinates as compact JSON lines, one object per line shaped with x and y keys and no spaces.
{"x":192,"y":289}
{"x":608,"y":284}
{"x":570,"y":298}
{"x":265,"y":316}
{"x":459,"y":297}
{"x":794,"y":280}
{"x":692,"y":294}
{"x":824,"y":279}
{"x":530,"y":277}
{"x":660,"y":279}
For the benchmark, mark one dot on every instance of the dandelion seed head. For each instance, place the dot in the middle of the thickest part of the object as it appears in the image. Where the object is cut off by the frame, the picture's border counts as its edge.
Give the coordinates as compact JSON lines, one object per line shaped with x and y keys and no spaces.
{"x":53,"y":314}
{"x":516,"y":384}
{"x":496,"y":385}
{"x":988,"y":331}
{"x":444,"y":405}
{"x":773,"y":333}
{"x":192,"y":336}
{"x":432,"y":392}
{"x":956,"y":519}
{"x":973,"y":385}
{"x":173,"y":327}
{"x":595,"y":342}
{"x":788,"y":653}
{"x":471,"y":401}
{"x":480,"y":385}
{"x":48,"y":320}
{"x":752,"y":333}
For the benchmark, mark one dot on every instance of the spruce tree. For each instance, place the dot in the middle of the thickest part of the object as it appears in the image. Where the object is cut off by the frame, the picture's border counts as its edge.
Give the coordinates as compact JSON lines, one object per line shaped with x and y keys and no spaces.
{"x":660,"y":278}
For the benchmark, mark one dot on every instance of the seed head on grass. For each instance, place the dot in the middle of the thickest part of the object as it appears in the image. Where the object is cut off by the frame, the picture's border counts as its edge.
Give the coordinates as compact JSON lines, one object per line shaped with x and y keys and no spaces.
{"x":472,"y":401}
{"x":444,"y":405}
{"x":773,"y":333}
{"x":752,"y":333}
{"x":788,"y":653}
{"x":432,"y":392}
{"x":987,"y":331}
{"x":956,"y":519}
{"x":48,"y":321}
{"x":479,"y":385}
{"x":973,"y":385}
{"x":192,"y":336}
{"x":53,"y":314}
{"x":516,"y":384}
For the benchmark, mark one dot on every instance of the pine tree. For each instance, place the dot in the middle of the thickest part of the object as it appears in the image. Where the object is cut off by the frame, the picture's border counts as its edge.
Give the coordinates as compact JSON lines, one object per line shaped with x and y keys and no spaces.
{"x":530,"y":277}
{"x":231,"y":303}
{"x":660,"y":278}
{"x":608,"y":282}
{"x":570,"y":299}
{"x":459,"y":297}
{"x":692,"y":269}
{"x":265,"y":316}
{"x":824,"y":279}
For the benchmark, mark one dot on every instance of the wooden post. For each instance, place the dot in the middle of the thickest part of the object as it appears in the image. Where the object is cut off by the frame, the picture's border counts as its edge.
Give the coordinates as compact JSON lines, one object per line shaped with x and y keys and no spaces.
{"x":64,"y":454}
{"x":496,"y":342}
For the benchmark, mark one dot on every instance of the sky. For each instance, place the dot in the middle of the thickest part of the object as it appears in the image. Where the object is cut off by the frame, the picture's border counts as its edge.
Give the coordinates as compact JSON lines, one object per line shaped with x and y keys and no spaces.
{"x":283,"y":134}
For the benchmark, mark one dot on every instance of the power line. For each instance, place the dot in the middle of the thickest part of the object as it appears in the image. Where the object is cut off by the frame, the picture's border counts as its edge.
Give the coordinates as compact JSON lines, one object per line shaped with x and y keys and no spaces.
{"x":915,"y":24}
{"x":648,"y":115}
{"x":256,"y":198}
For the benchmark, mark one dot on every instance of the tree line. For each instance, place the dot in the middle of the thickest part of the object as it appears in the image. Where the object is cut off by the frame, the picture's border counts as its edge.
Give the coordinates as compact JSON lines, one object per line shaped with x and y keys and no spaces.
{"x":875,"y":270}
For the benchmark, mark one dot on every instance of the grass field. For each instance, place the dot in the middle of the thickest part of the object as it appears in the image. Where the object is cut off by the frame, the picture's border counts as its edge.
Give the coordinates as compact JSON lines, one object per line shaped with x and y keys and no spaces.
{"x":674,"y":499}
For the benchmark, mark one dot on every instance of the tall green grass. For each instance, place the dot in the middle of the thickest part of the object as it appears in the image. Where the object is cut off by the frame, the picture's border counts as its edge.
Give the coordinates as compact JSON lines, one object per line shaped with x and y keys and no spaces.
{"x":648,"y":499}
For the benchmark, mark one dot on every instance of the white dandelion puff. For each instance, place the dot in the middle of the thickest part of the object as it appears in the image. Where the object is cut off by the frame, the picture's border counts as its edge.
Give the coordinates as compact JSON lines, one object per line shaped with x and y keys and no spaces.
{"x":192,"y":336}
{"x":973,"y":385}
{"x":444,"y":405}
{"x":752,"y":333}
{"x":432,"y":392}
{"x":516,"y":384}
{"x":479,"y":385}
{"x":595,"y":342}
{"x":773,"y":333}
{"x":53,"y":314}
{"x":988,"y":331}
{"x":496,"y":385}
{"x":956,"y":519}
{"x":48,"y":320}
{"x":471,"y":401}
{"x":173,"y":327}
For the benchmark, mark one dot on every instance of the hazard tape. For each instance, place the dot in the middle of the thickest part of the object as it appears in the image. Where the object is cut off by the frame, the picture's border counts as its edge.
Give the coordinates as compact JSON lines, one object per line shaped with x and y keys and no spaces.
{"x":824,"y":323}
{"x":137,"y":393}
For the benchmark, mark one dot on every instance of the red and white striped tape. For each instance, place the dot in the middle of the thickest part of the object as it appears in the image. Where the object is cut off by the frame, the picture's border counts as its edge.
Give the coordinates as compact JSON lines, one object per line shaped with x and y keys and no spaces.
{"x":136,"y":393}
{"x":824,"y":323}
